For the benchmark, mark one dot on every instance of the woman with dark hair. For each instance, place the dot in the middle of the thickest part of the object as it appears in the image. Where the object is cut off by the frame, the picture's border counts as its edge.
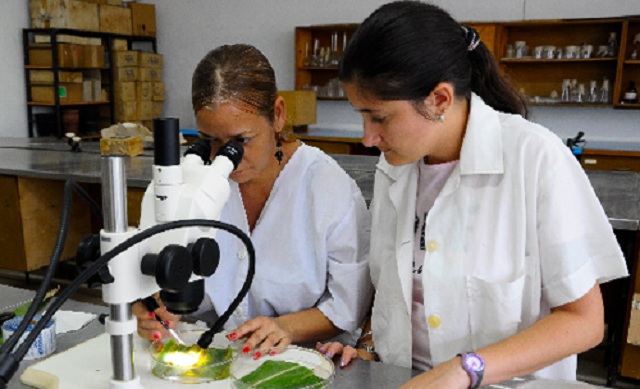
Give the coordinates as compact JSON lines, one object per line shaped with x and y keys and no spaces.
{"x":488,"y":243}
{"x":312,"y":243}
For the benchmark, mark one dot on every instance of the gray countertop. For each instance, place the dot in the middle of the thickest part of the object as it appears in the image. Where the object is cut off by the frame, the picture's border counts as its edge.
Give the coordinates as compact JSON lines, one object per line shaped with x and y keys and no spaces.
{"x":619,"y":192}
{"x":358,"y":375}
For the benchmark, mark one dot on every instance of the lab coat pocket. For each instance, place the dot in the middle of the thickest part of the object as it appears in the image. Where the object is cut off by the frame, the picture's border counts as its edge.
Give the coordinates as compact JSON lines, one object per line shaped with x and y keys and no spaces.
{"x":495,"y":309}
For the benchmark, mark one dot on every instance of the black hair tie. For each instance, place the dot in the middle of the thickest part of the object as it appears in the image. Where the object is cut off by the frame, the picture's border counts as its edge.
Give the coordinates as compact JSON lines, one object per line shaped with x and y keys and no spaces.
{"x":471,"y":37}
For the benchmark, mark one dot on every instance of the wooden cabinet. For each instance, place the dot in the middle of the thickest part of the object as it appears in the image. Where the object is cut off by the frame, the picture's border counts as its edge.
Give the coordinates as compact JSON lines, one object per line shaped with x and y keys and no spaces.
{"x":541,"y":78}
{"x":610,"y":160}
{"x":68,"y":78}
{"x":31,"y":210}
{"x":318,"y":50}
{"x":629,"y":60}
{"x":538,"y":78}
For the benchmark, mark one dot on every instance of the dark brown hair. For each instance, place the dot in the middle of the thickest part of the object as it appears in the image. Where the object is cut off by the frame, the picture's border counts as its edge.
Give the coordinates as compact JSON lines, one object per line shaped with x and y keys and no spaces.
{"x":405,"y":48}
{"x":238,"y":74}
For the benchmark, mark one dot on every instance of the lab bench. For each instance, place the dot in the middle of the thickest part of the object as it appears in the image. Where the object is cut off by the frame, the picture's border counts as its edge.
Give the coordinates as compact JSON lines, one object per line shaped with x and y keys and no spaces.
{"x":359,"y":374}
{"x":33,"y":171}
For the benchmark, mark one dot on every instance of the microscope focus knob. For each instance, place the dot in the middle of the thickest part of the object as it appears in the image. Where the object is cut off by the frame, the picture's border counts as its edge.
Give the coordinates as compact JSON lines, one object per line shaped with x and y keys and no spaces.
{"x":206,"y":256}
{"x":172,"y":267}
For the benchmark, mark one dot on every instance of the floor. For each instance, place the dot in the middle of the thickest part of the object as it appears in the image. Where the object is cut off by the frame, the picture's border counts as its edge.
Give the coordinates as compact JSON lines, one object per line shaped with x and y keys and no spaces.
{"x":591,"y":366}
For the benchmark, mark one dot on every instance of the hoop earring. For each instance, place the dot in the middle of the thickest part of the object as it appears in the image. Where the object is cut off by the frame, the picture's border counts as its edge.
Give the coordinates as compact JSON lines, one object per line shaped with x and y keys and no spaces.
{"x":441,"y":118}
{"x":279,"y":154}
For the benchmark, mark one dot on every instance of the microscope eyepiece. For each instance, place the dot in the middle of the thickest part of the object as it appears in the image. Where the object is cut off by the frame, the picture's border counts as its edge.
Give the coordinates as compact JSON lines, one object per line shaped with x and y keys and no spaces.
{"x":232,"y":150}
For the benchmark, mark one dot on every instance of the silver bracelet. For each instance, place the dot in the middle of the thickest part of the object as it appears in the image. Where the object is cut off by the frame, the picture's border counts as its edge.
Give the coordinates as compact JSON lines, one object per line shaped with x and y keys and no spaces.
{"x":370,"y":349}
{"x":365,"y":334}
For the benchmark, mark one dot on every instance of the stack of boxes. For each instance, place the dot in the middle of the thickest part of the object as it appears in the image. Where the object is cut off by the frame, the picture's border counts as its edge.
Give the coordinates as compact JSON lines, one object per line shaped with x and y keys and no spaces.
{"x":136,"y":77}
{"x":137,"y":85}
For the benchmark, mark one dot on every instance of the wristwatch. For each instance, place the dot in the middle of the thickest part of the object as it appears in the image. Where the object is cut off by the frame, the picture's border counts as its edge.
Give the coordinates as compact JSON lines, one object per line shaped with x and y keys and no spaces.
{"x":473,"y":364}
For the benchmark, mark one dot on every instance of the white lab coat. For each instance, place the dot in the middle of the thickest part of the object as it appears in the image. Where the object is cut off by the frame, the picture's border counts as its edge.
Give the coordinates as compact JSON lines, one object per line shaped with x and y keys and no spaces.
{"x":517,"y":229}
{"x":311,"y":242}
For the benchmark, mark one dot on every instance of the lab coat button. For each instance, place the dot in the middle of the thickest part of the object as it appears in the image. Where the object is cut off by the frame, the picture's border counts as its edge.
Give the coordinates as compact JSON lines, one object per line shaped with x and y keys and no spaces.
{"x":434,"y":321}
{"x":238,"y":312}
{"x":432,"y":246}
{"x":242,"y":254}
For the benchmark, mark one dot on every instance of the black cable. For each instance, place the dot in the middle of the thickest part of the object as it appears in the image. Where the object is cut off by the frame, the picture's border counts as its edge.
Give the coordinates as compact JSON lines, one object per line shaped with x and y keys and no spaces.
{"x":119,"y":249}
{"x":92,"y":203}
{"x":207,"y":337}
{"x":10,"y":343}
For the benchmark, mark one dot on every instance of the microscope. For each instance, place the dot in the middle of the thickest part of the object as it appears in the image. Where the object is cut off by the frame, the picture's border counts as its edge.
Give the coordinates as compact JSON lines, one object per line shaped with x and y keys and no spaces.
{"x":172,"y":262}
{"x":170,"y":252}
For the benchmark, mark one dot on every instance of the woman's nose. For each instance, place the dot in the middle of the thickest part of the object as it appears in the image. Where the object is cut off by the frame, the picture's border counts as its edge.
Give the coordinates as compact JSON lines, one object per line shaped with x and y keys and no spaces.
{"x":371,"y":138}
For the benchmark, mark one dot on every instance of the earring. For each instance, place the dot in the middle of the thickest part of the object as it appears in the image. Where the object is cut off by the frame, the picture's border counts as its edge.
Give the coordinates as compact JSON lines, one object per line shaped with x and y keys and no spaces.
{"x":279,"y":154}
{"x":441,"y":118}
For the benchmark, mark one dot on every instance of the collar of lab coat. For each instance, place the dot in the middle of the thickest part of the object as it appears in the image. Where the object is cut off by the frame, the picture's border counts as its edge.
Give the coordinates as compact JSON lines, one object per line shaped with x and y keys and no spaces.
{"x":481,"y":151}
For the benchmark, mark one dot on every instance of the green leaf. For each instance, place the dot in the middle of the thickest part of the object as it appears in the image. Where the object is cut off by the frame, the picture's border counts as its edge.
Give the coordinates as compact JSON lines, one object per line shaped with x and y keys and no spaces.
{"x":282,"y":375}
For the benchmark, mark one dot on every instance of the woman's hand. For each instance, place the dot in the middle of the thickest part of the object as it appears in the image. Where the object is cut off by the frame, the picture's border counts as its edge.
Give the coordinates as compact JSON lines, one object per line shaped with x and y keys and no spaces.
{"x":148,"y":326}
{"x":347,"y":353}
{"x":264,"y":334}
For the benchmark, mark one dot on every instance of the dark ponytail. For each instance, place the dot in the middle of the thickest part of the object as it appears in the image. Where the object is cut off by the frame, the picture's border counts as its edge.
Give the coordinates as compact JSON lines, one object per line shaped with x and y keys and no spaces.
{"x":405,"y":48}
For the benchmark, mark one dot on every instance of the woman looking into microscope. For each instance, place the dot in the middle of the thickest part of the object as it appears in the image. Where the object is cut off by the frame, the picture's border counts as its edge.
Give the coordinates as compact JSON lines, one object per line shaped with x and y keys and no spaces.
{"x":312,"y":278}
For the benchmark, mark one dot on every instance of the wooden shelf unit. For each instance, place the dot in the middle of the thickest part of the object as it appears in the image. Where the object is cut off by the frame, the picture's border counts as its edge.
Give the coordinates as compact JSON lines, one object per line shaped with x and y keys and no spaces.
{"x":106,"y":71}
{"x":536,"y":77}
{"x":318,"y":76}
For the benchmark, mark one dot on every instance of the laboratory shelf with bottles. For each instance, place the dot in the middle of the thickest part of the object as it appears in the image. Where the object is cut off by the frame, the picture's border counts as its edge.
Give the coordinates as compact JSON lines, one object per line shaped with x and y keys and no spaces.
{"x":577,"y":62}
{"x":317,"y":52}
{"x":572,"y":62}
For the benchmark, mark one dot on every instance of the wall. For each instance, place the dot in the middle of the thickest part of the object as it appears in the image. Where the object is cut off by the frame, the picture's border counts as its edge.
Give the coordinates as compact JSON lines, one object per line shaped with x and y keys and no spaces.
{"x":14,"y":16}
{"x":187,"y":29}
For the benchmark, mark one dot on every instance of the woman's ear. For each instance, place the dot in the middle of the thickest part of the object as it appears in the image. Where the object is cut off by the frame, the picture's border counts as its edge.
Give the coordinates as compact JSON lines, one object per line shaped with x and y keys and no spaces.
{"x":442,"y":96}
{"x":279,"y":113}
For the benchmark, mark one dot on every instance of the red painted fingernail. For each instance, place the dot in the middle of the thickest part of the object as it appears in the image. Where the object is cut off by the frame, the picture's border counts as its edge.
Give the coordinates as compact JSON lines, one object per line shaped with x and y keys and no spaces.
{"x":156,"y":335}
{"x":246,"y":350}
{"x":257,"y":355}
{"x":233,"y":336}
{"x":151,"y":314}
{"x":166,"y":322}
{"x":272,"y":352}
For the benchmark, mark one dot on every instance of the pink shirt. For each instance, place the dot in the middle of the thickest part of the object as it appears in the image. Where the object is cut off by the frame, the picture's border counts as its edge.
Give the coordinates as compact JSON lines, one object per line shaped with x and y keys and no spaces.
{"x":430,"y":182}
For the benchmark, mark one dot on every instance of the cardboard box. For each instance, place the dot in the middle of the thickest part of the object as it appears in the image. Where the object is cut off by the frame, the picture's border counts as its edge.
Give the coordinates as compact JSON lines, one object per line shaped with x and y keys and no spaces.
{"x":143,"y":19}
{"x":144,"y":91}
{"x":115,"y":19}
{"x":150,"y":60}
{"x":123,"y":59}
{"x":145,"y":110}
{"x":87,"y":90}
{"x":62,"y":38}
{"x":92,"y":85}
{"x":147,"y":74}
{"x":301,"y":107}
{"x":633,"y":336}
{"x":131,"y":146}
{"x":93,"y":56}
{"x":157,"y":109}
{"x":46,"y":77}
{"x":125,"y":111}
{"x":158,"y":91}
{"x":69,"y":55}
{"x":126,"y":74}
{"x":73,"y":14}
{"x":124,"y":91}
{"x":68,"y":92}
{"x":119,"y":45}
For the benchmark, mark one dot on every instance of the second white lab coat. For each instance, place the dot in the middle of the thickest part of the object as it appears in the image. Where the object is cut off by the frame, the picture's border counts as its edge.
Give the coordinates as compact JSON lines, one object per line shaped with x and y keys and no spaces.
{"x":516,"y":230}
